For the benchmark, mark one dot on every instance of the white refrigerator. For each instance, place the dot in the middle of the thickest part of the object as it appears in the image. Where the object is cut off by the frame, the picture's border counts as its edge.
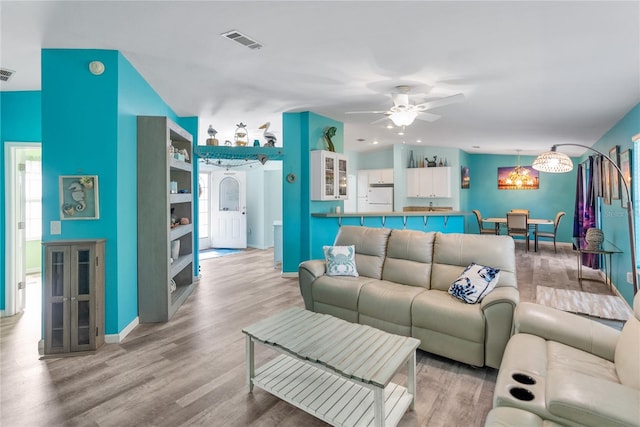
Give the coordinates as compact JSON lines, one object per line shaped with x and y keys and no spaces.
{"x":380,"y":199}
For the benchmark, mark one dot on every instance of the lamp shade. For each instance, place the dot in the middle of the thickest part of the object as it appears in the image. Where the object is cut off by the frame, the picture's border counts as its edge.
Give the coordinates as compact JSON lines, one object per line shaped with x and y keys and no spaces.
{"x":403,"y":118}
{"x":554,"y":162}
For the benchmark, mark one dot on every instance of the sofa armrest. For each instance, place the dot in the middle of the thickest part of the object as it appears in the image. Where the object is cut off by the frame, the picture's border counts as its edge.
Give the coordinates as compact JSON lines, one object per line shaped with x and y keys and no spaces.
{"x":567,"y":328}
{"x":308,"y":272}
{"x":591,"y":401}
{"x":498,"y":307}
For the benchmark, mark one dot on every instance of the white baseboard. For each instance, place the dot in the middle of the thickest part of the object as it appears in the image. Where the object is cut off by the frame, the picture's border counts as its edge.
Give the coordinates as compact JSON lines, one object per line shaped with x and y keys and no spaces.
{"x":289,"y":275}
{"x":119,"y":337}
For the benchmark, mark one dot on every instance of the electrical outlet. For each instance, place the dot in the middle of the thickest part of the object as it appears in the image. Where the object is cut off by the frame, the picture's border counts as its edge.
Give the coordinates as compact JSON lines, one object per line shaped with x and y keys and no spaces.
{"x":55,"y":227}
{"x":629,"y":277}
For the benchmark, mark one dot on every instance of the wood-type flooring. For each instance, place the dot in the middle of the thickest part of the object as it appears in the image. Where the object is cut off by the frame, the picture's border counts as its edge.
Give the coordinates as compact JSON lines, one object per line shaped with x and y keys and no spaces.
{"x":191,"y":370}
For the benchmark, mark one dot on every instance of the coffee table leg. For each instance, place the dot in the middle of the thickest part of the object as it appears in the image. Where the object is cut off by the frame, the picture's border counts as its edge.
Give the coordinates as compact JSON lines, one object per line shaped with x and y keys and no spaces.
{"x":411,"y":379}
{"x":378,"y":406}
{"x":250,"y":362}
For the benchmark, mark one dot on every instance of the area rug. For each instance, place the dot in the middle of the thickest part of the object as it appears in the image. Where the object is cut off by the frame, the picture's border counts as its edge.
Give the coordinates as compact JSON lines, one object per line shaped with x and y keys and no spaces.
{"x":216,"y":253}
{"x":602,"y":306}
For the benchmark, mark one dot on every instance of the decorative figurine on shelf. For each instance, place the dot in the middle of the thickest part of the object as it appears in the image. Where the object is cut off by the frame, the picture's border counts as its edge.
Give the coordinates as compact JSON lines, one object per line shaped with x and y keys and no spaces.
{"x":329,"y":133}
{"x":269,"y":137}
{"x":212,"y":136}
{"x":185,"y":153}
{"x":432,"y":163}
{"x":241,"y":135}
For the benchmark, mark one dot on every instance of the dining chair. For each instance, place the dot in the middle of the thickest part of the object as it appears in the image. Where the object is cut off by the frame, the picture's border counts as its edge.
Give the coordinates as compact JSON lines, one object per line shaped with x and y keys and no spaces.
{"x":517,"y":226}
{"x":551,"y":234}
{"x":524,"y":211}
{"x":481,"y":225}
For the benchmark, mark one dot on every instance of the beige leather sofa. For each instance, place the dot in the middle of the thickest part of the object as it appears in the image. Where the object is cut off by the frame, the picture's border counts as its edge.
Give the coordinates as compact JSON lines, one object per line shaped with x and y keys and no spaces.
{"x":569,"y":370}
{"x":402,"y":286}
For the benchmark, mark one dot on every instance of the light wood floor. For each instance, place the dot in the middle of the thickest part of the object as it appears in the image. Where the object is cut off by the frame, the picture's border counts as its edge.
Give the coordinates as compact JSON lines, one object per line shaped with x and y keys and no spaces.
{"x":190,"y":371}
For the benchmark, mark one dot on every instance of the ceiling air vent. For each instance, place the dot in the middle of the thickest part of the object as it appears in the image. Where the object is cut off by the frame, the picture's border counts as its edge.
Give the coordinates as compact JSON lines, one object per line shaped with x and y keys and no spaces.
{"x":5,"y":74}
{"x":244,"y":40}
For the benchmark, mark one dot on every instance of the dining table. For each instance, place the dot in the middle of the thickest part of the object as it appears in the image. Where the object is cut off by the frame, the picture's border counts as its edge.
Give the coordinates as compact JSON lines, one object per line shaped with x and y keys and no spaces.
{"x":532,"y":222}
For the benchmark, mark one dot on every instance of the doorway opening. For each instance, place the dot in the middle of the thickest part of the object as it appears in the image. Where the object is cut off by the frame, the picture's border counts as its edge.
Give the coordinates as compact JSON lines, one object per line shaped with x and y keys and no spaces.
{"x":23,"y":227}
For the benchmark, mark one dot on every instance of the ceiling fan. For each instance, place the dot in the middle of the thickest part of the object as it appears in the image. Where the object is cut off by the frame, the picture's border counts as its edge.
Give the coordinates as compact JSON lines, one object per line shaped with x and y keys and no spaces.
{"x":403,"y":113}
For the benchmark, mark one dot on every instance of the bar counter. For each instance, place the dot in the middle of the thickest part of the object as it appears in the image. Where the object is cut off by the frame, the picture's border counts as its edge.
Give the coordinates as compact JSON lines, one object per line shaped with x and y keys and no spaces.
{"x":326,"y":224}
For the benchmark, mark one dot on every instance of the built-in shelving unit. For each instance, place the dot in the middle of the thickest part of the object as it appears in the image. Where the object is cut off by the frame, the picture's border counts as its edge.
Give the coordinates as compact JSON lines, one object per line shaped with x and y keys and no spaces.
{"x":164,"y":282}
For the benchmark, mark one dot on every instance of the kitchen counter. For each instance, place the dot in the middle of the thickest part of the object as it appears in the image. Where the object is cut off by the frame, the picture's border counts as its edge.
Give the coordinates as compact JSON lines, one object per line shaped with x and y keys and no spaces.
{"x":327,"y":224}
{"x":426,"y":212}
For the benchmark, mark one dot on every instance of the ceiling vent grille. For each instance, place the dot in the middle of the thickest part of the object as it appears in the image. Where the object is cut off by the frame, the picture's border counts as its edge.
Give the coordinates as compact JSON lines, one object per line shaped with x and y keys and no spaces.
{"x":5,"y":74}
{"x":243,"y":39}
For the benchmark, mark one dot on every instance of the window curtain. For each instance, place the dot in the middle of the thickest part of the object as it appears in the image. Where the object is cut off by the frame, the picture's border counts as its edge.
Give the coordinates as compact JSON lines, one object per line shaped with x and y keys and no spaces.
{"x":588,"y":188}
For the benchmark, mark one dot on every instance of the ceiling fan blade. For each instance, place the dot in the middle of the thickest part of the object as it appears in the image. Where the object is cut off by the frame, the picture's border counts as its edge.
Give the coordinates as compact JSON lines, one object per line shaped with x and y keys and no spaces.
{"x":366,"y":112}
{"x":428,"y":117}
{"x":400,"y":99}
{"x":379,"y":120}
{"x":440,"y":102}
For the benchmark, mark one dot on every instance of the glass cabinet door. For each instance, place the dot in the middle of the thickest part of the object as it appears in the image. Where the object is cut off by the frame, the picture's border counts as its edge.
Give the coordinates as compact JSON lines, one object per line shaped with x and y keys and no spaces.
{"x":342,"y":178}
{"x":57,"y":300}
{"x":329,"y":176}
{"x":81,"y":298}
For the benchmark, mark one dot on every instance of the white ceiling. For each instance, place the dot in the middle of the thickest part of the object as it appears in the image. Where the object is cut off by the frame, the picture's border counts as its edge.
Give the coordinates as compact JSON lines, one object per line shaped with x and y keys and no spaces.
{"x":533,"y":73}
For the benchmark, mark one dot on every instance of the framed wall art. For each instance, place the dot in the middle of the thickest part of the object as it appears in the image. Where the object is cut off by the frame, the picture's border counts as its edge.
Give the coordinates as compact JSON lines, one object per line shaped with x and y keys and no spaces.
{"x":518,"y":178}
{"x":465,"y":178}
{"x":79,"y":197}
{"x":625,"y":167}
{"x":605,"y":173}
{"x":614,"y":154}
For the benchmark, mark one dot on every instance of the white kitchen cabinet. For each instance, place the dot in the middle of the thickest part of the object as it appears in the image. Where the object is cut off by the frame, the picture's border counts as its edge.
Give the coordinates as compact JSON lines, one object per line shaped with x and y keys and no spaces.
{"x":380,"y":176}
{"x":429,"y":182}
{"x":328,"y":175}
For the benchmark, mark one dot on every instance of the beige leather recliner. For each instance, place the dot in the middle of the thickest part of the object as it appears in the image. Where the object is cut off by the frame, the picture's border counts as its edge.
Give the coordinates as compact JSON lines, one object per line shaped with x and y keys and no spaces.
{"x":570,"y":369}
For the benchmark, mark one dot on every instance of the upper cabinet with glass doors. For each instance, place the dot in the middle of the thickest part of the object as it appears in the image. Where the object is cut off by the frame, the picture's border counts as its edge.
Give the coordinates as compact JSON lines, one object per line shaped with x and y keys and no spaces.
{"x":328,"y":175}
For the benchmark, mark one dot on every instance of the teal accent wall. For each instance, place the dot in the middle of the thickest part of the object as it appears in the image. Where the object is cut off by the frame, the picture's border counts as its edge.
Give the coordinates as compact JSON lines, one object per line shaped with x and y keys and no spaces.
{"x":20,"y":121}
{"x":614,"y":219}
{"x":302,"y":133}
{"x":89,"y":127}
{"x":556,"y":193}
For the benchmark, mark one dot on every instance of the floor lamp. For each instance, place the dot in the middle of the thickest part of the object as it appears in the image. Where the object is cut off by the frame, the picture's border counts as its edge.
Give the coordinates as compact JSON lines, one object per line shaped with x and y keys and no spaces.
{"x":555,"y":162}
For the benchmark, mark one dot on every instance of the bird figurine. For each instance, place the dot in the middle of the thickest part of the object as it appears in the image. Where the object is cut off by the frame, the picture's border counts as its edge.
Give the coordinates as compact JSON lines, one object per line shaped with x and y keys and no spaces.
{"x":212,"y":136}
{"x":270,"y":137}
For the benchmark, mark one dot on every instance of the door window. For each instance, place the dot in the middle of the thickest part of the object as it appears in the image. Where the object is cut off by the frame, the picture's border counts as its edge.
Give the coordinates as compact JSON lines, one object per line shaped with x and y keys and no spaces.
{"x":229,"y":195}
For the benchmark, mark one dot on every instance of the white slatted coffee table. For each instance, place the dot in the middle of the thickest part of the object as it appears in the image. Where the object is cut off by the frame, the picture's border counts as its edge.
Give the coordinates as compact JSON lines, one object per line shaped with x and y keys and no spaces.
{"x":335,"y":370}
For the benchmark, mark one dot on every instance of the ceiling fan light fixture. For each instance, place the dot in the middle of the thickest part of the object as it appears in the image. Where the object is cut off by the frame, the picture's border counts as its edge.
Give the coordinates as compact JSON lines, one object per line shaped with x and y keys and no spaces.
{"x":403,"y":118}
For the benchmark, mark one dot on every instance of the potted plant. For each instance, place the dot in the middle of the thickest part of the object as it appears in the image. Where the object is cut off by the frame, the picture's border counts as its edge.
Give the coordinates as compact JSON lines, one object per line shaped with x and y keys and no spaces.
{"x":87,"y":182}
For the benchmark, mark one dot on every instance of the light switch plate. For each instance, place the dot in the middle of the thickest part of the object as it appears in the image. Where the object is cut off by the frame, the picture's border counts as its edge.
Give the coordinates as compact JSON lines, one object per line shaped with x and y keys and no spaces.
{"x":55,"y":227}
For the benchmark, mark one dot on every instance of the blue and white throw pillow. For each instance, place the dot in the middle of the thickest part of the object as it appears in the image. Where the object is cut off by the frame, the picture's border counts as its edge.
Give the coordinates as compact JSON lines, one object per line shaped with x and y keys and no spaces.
{"x":340,"y":260}
{"x":474,"y":283}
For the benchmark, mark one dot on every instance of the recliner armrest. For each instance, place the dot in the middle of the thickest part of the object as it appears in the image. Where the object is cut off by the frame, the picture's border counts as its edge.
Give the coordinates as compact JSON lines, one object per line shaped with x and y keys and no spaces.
{"x":591,"y":401}
{"x":566,"y":328}
{"x":308,"y":272}
{"x":503,"y":294}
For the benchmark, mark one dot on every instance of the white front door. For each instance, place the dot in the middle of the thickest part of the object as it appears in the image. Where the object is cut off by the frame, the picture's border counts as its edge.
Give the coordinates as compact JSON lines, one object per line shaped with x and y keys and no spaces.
{"x":228,"y":210}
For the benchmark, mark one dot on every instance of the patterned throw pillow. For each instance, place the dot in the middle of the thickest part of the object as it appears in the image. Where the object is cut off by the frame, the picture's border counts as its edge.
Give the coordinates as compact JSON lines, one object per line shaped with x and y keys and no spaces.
{"x":474,"y":283}
{"x":340,"y":260}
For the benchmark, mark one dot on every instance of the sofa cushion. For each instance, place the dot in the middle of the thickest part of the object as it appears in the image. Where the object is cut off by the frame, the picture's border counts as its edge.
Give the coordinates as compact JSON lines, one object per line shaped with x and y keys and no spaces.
{"x":474,"y":283}
{"x":564,"y":357}
{"x":371,"y":247}
{"x":439,"y":311}
{"x":388,"y":302}
{"x":453,"y":252}
{"x":628,"y":349}
{"x":340,"y":260}
{"x":341,"y":291}
{"x":409,"y":256}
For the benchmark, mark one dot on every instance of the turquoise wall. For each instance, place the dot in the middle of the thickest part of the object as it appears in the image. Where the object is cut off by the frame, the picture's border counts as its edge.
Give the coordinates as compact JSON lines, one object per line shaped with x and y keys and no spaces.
{"x":20,"y":121}
{"x":614,"y":218}
{"x":556,"y":193}
{"x":302,"y":133}
{"x":89,"y":127}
